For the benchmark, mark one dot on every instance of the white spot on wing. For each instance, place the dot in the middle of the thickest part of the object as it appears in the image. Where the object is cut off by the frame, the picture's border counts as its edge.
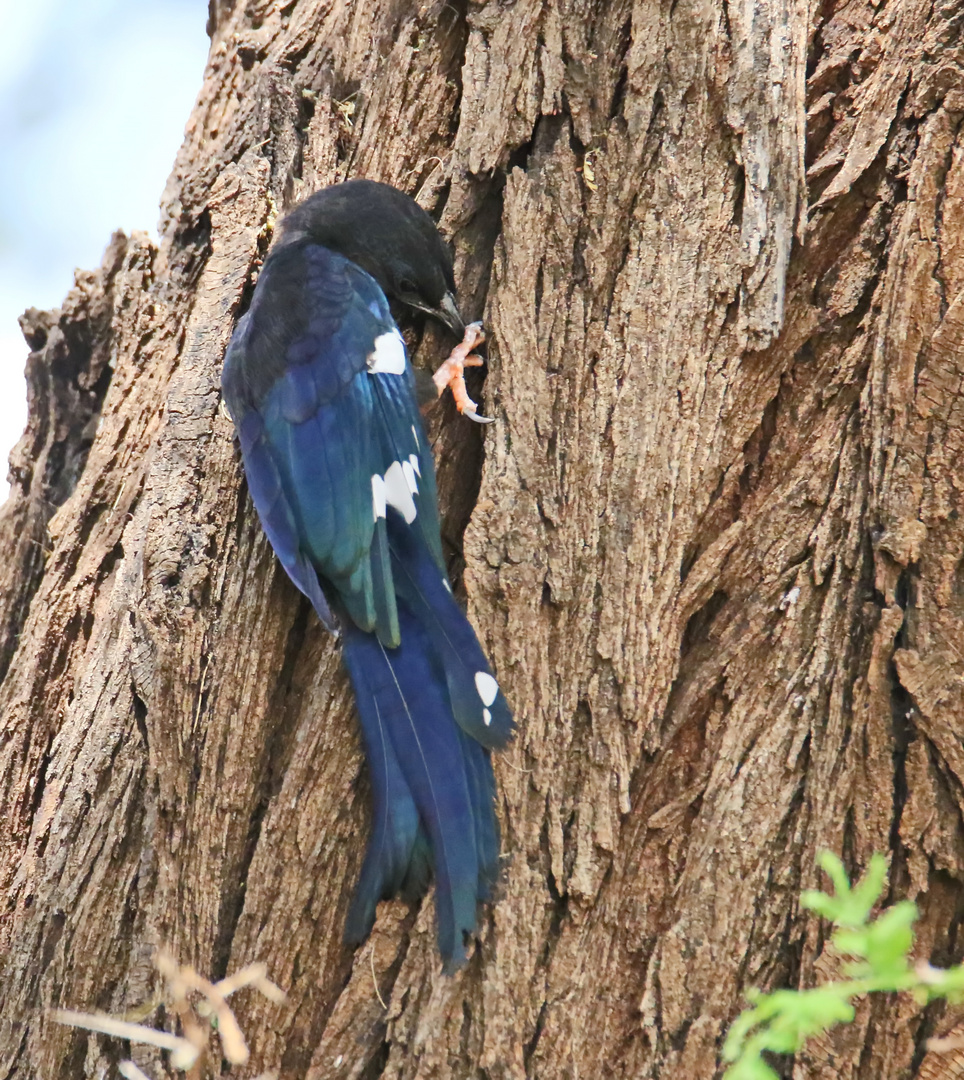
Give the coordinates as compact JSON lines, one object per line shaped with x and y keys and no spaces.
{"x":487,"y":687}
{"x":388,"y":356}
{"x":378,"y":496}
{"x":418,"y":445}
{"x":397,"y":492}
{"x":486,"y":717}
{"x":410,"y":477}
{"x":446,"y":584}
{"x":413,"y":458}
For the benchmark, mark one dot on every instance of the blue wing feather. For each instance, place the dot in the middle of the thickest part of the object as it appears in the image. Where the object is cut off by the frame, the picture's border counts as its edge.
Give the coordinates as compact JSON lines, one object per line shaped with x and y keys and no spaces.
{"x":403,"y":438}
{"x":277,"y":519}
{"x":341,"y":473}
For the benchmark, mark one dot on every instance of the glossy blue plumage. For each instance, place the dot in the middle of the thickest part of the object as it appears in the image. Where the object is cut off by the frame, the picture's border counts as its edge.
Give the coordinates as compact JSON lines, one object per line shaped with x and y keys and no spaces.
{"x":342,"y":477}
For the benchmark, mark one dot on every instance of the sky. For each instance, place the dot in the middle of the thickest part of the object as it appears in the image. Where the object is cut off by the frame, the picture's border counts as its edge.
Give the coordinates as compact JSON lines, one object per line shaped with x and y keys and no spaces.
{"x":94,"y":96}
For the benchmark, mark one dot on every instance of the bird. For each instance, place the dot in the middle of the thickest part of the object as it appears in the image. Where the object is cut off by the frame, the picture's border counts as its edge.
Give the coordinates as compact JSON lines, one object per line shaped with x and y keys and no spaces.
{"x":318,"y":383}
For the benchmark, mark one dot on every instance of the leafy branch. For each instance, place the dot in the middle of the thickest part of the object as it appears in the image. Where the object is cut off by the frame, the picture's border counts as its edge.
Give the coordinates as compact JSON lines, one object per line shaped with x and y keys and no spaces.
{"x":780,"y":1022}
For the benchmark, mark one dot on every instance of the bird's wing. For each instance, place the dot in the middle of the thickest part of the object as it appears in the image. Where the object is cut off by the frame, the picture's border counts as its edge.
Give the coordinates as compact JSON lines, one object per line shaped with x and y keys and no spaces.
{"x":319,"y":386}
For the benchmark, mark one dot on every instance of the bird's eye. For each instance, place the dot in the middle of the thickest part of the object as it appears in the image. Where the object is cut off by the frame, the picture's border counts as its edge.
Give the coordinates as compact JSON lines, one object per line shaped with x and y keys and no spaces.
{"x":407,"y":288}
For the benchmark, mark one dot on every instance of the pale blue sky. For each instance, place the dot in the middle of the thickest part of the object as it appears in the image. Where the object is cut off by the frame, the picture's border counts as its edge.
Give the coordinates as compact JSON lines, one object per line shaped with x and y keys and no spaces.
{"x":94,"y":96}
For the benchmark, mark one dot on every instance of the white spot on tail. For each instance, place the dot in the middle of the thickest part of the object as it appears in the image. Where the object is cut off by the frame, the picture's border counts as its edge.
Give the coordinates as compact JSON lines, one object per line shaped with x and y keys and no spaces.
{"x":378,"y":496}
{"x":487,"y":687}
{"x":388,"y":356}
{"x":413,"y":459}
{"x":409,"y":473}
{"x":486,"y":717}
{"x":397,"y":492}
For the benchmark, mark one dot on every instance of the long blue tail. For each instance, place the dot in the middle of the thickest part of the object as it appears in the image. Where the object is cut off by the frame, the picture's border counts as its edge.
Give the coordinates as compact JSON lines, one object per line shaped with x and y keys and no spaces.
{"x":430,"y":780}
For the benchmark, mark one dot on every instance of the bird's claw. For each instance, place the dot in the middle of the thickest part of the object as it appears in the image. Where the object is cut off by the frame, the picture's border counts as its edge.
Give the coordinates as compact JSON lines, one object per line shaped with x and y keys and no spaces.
{"x":452,"y":373}
{"x":478,"y":417}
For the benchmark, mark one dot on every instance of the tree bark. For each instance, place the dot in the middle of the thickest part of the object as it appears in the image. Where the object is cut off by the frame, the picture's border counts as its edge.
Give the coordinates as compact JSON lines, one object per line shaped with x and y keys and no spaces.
{"x":713,"y":545}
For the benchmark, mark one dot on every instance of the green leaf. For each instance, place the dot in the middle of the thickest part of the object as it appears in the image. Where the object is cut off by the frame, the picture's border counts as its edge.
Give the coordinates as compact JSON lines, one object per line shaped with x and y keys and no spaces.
{"x":885,"y":943}
{"x":847,"y":907}
{"x":751,"y":1068}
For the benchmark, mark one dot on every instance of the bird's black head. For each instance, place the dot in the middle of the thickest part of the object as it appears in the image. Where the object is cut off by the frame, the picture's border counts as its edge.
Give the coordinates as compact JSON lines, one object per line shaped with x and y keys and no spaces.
{"x":388,"y":235}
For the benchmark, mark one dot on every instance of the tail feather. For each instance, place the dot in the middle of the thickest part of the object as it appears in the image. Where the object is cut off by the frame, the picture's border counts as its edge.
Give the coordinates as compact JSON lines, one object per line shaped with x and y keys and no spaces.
{"x":395,"y":821}
{"x":421,"y":759}
{"x":482,"y":788}
{"x":477,"y":701}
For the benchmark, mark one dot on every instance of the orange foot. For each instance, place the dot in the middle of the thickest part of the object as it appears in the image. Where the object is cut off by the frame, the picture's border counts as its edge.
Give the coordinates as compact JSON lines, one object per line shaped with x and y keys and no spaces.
{"x":451,"y":373}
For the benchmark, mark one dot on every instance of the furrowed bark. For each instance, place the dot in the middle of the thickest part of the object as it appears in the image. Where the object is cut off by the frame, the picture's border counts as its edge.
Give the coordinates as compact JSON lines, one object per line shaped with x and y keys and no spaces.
{"x":713,"y":545}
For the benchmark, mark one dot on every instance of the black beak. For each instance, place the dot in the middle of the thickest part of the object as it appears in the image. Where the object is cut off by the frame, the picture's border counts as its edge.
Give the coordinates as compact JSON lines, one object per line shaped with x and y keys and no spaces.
{"x":448,"y":312}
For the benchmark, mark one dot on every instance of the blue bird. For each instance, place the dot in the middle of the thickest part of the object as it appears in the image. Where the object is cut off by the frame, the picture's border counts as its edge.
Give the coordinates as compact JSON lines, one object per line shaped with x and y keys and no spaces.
{"x":318,"y":383}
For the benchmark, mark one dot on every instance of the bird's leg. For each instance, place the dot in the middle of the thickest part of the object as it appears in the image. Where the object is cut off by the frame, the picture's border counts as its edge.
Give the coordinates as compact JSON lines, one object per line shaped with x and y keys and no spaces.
{"x":451,"y":373}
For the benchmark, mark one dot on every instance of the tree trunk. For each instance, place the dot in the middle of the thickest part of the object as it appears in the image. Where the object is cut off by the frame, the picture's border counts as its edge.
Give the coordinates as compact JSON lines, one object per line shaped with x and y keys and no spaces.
{"x":713,"y":545}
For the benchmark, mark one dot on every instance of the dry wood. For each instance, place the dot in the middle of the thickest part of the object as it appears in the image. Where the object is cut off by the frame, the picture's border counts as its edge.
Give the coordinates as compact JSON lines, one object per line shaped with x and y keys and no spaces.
{"x":713,"y":543}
